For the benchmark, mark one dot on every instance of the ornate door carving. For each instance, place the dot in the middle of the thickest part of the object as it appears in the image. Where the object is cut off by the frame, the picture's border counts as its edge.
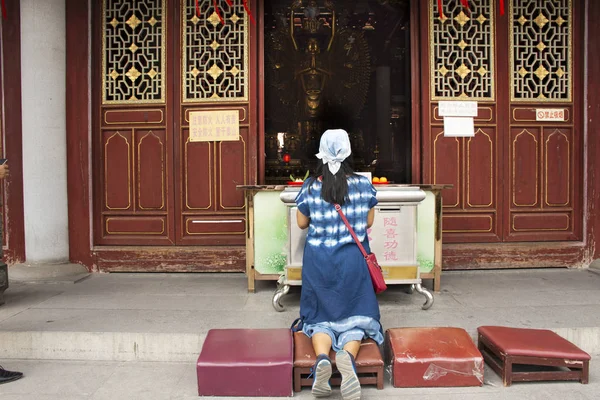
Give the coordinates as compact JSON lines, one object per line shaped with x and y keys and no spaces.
{"x":158,"y":61}
{"x":517,"y":179}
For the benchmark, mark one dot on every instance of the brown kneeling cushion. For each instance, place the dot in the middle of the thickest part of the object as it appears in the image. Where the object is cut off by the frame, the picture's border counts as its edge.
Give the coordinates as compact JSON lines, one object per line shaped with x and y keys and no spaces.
{"x":369,"y":363}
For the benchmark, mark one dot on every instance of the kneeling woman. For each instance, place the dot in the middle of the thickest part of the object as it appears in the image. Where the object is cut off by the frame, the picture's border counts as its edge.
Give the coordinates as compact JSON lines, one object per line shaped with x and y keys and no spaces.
{"x":338,"y":307}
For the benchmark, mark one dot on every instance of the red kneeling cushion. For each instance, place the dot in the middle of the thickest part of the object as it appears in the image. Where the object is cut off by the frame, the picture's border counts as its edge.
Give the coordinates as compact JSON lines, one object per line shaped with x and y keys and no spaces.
{"x":433,"y":357}
{"x":531,"y":343}
{"x":246,"y":362}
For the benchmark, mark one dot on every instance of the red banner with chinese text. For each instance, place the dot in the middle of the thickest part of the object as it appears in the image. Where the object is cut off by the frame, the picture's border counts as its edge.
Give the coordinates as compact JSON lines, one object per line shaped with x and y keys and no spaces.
{"x":465,"y":4}
{"x":229,"y":3}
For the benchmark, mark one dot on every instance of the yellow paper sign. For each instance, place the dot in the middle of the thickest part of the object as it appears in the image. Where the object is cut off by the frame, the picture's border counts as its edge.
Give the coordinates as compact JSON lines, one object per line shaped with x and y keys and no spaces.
{"x":218,"y":125}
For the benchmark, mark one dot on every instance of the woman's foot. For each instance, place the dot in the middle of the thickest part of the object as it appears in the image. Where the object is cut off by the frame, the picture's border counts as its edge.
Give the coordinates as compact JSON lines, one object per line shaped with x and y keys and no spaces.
{"x":350,"y":387}
{"x":322,"y":374}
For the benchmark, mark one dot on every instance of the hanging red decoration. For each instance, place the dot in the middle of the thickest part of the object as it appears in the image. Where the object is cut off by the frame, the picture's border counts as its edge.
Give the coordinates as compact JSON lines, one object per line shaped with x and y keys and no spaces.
{"x":218,"y":9}
{"x":287,"y":158}
{"x":465,"y":4}
{"x":4,"y":13}
{"x":249,"y":12}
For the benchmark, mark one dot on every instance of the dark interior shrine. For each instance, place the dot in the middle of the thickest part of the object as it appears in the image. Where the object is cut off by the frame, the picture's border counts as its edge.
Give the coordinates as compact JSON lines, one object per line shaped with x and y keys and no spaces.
{"x":337,"y":64}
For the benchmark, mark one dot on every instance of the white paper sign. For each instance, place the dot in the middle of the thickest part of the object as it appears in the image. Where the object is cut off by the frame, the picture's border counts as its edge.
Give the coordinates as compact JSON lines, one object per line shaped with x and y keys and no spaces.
{"x":457,"y":108}
{"x":459,"y":127}
{"x":549,"y":114}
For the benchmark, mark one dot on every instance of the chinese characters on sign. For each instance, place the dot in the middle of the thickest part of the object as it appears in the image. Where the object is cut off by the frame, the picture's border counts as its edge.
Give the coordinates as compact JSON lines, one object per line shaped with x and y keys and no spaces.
{"x":458,"y":108}
{"x":391,"y":243}
{"x":550,"y":114}
{"x":208,"y":126}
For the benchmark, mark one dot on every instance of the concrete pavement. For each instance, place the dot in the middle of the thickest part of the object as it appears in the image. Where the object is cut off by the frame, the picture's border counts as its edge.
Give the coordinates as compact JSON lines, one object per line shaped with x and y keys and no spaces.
{"x":101,"y":380}
{"x":130,"y":336}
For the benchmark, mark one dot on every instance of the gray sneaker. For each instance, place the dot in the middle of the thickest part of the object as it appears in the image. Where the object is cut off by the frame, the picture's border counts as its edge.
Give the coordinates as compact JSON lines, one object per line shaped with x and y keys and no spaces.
{"x":322,"y":373}
{"x":350,"y":385}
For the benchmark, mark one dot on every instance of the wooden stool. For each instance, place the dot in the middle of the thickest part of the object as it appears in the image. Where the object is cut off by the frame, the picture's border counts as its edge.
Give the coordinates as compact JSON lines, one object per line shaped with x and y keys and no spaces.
{"x":433,"y":357}
{"x":545,"y":351}
{"x":246,"y":362}
{"x":369,"y":363}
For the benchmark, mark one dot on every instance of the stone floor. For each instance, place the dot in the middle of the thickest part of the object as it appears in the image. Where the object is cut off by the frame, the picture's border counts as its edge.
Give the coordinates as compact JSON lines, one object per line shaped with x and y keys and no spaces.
{"x":130,"y":336}
{"x":100,"y":380}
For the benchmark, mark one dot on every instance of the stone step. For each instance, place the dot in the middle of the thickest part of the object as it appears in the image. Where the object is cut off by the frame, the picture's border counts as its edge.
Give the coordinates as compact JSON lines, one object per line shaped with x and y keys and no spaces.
{"x":165,"y":317}
{"x":164,"y":347}
{"x":101,"y":346}
{"x":48,"y":273}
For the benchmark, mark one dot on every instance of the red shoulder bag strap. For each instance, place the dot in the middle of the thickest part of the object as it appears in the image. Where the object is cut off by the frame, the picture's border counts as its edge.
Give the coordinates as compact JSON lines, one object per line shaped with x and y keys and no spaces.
{"x":360,"y":246}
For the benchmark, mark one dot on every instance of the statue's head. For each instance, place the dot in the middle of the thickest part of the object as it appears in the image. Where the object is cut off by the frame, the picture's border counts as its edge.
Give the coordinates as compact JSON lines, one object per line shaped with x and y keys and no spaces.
{"x":312,"y":46}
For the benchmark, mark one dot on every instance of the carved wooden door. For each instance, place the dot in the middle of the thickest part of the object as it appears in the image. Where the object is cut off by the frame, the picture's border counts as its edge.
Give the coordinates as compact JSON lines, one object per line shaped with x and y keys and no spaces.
{"x":157,"y":60}
{"x":520,"y":177}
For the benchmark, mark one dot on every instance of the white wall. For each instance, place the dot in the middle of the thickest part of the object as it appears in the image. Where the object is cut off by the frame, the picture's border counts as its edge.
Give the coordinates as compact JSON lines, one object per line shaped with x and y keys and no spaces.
{"x":43,"y":69}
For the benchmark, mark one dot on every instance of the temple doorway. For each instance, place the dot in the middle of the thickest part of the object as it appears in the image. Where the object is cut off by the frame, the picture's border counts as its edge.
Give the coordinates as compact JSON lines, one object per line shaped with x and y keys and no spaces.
{"x":337,"y":64}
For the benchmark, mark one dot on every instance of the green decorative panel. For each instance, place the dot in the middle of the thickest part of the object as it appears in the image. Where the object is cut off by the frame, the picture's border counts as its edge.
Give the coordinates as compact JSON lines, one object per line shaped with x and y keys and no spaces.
{"x":426,"y":233}
{"x":270,"y":233}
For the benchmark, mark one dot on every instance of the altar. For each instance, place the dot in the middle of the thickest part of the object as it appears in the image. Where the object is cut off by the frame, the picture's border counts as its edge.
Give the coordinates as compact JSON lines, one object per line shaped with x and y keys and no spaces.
{"x":267,"y":233}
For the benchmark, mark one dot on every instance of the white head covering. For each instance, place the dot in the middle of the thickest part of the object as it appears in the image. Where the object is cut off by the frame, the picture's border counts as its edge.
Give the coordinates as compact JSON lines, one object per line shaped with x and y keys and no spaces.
{"x":334,"y":148}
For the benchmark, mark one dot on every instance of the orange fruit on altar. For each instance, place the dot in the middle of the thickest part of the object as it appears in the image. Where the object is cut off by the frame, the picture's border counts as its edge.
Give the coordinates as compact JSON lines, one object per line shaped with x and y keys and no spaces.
{"x":375,"y":179}
{"x":383,"y":179}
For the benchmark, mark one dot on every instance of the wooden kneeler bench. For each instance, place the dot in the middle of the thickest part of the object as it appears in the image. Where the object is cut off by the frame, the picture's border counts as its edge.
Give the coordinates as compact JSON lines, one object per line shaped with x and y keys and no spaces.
{"x":545,"y":355}
{"x":369,"y":363}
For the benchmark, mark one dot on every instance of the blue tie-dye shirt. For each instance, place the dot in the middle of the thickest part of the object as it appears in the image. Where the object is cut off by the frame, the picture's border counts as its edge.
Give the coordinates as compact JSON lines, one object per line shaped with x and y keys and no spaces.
{"x":326,"y":227}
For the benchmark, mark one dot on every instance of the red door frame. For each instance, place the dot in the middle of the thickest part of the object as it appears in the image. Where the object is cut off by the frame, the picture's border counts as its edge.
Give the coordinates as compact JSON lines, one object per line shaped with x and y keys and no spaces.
{"x":490,"y":256}
{"x":591,"y":128}
{"x":12,"y":131}
{"x":415,"y":70}
{"x":78,"y":97}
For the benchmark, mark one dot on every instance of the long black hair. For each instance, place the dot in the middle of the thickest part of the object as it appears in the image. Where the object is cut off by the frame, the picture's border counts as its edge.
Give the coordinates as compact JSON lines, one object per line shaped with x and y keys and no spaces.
{"x":335,"y":187}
